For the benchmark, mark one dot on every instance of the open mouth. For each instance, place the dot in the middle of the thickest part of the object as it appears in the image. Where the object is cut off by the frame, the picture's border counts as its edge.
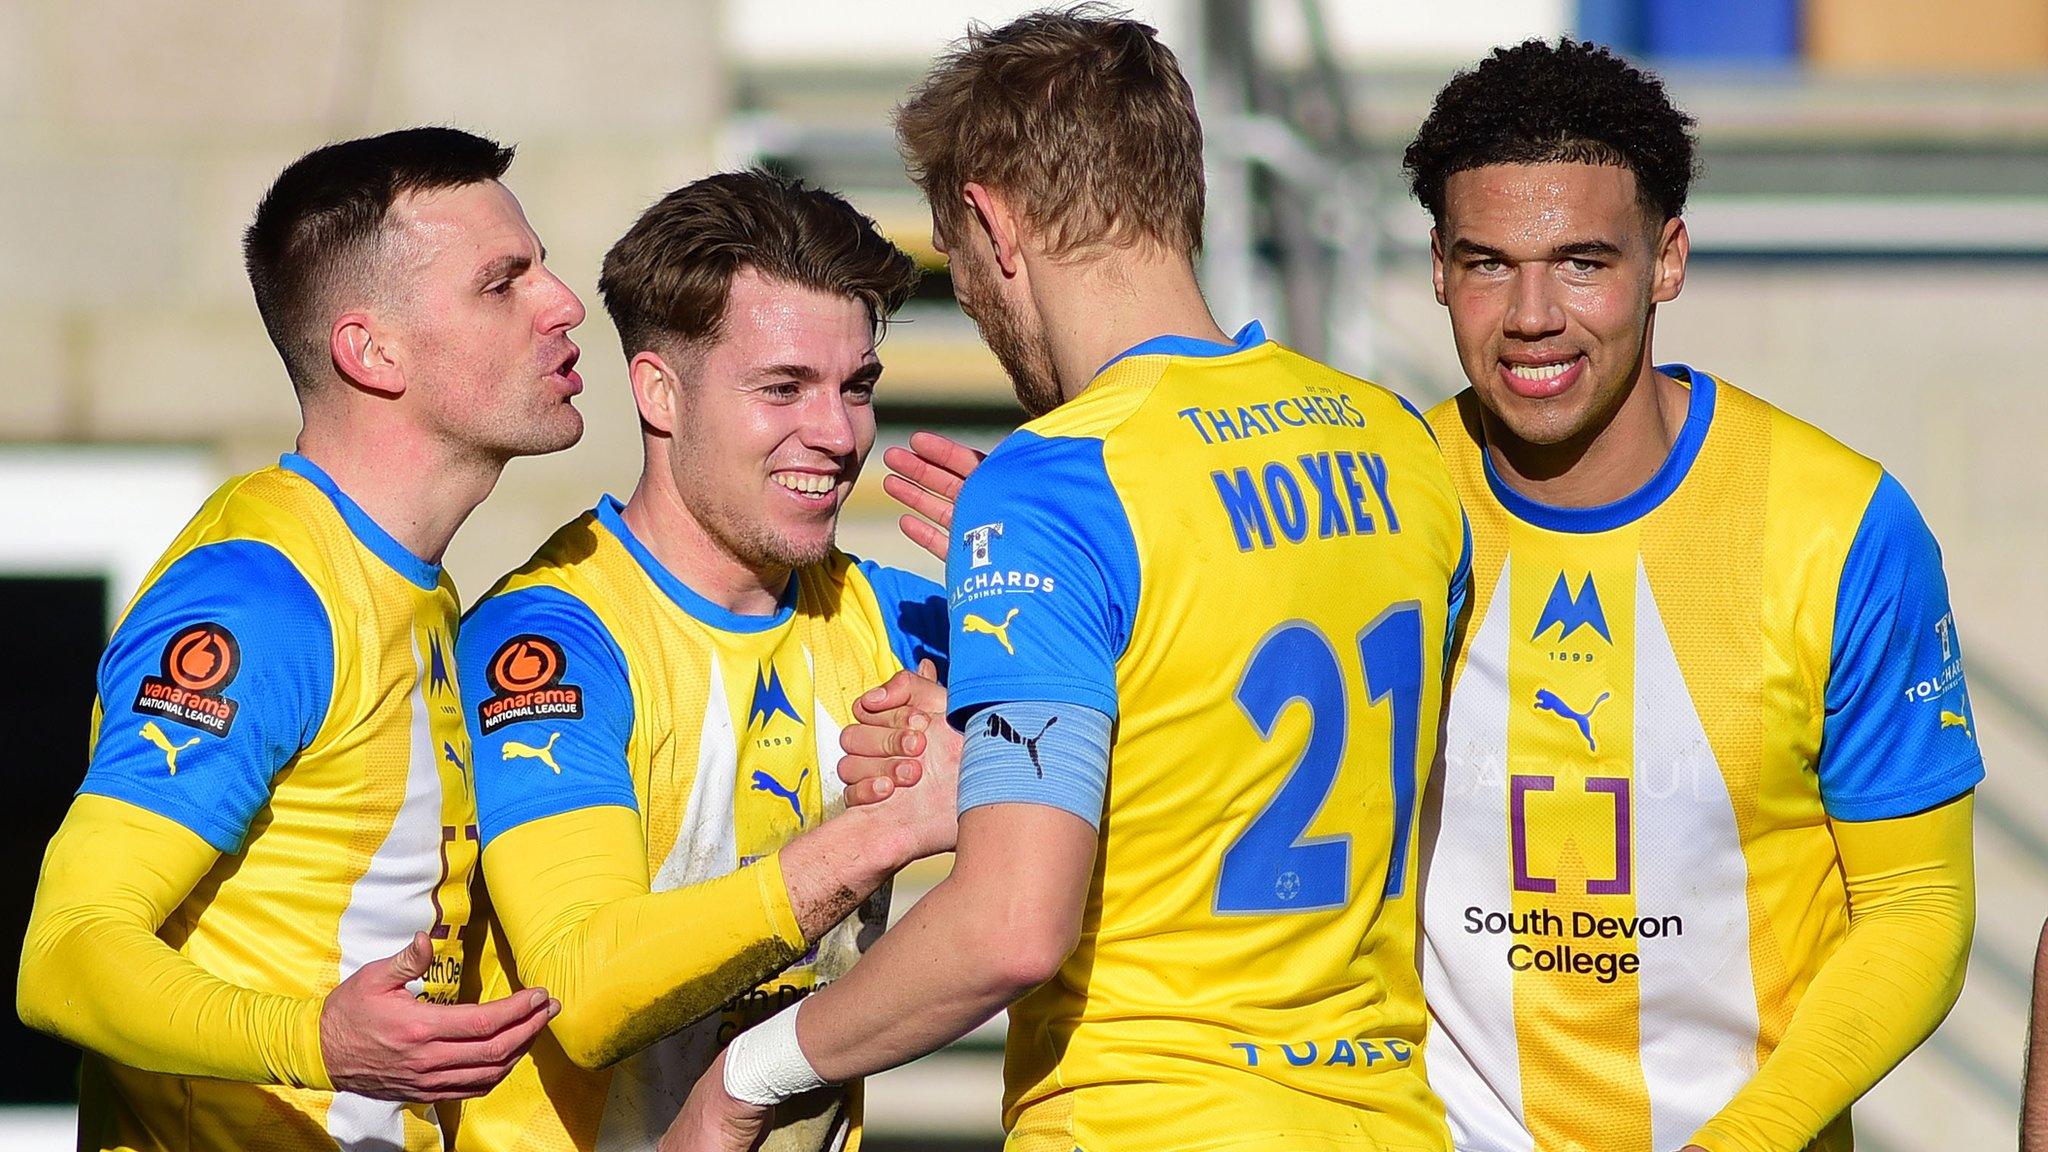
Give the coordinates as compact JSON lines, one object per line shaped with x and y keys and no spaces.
{"x":565,"y":372}
{"x":1541,"y":380}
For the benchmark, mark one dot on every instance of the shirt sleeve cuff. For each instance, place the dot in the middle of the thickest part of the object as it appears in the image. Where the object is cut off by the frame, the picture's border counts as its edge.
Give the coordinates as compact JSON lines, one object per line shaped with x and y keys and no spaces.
{"x":966,"y":698}
{"x":1934,"y":791}
{"x":308,"y":1067}
{"x":775,"y":901}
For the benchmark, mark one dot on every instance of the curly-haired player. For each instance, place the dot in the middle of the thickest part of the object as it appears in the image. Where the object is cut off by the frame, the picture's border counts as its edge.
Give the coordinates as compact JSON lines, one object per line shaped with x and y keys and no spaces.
{"x":1698,"y":869}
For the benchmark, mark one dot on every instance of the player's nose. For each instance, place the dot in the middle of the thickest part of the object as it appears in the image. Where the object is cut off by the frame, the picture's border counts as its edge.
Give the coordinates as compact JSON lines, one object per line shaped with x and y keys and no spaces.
{"x":1533,"y":309}
{"x":829,"y":425}
{"x":562,"y":309}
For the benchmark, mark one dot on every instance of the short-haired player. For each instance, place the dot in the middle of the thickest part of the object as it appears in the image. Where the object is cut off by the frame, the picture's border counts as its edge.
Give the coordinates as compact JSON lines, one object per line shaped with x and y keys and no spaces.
{"x":252,"y":916}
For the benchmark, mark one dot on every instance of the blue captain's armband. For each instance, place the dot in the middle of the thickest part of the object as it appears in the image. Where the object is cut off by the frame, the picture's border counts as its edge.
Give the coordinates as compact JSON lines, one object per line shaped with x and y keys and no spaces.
{"x":914,"y":612}
{"x":1899,"y":736}
{"x":549,"y":708}
{"x":1042,"y":577}
{"x":221,"y":673}
{"x":1037,"y":752}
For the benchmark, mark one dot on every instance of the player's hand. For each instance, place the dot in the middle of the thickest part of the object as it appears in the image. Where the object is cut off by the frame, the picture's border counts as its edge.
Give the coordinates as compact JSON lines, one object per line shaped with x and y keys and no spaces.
{"x":889,"y":735}
{"x":380,"y":1041}
{"x":926,"y":478}
{"x":712,"y":1121}
{"x":902,"y":756}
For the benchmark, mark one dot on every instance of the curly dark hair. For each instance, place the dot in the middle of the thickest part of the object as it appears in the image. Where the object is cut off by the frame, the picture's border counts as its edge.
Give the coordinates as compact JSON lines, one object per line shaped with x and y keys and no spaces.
{"x":1541,"y":103}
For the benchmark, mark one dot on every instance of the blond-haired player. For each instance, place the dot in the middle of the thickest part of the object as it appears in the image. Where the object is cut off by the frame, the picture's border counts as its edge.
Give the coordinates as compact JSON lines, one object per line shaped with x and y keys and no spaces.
{"x":1199,"y":610}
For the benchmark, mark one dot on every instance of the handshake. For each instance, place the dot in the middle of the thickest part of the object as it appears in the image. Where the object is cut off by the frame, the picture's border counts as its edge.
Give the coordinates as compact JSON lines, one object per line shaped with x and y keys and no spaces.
{"x":902,"y":754}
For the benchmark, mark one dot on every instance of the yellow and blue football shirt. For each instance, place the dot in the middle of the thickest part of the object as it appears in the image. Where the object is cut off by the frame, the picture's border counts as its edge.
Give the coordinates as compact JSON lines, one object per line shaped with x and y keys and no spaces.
{"x":1659,"y":708}
{"x":284,"y":686}
{"x":598,"y":678}
{"x":1250,"y":561}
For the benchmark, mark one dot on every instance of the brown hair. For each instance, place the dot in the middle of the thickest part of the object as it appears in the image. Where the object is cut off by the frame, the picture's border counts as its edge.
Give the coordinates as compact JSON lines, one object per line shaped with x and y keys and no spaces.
{"x":1081,"y":113}
{"x":317,"y":226}
{"x":666,"y":281}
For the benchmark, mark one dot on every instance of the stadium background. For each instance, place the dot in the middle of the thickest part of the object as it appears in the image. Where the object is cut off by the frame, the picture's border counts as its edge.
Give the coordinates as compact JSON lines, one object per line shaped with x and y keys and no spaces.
{"x":1871,"y":253}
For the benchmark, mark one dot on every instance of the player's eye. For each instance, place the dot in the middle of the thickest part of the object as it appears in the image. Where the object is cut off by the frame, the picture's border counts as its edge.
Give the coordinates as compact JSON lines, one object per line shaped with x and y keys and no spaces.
{"x":500,"y":288}
{"x":862,"y":392}
{"x":1583,"y":267}
{"x":1488,"y":267}
{"x":784,"y":390}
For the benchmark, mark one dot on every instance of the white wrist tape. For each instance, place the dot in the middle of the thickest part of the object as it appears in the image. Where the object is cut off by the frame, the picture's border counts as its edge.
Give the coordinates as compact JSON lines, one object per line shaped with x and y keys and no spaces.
{"x":765,"y":1065}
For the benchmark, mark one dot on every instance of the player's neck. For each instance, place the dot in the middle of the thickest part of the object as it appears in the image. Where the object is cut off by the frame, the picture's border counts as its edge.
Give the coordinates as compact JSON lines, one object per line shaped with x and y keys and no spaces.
{"x":1095,"y":309}
{"x":679,"y":541}
{"x":412,"y":486}
{"x":1605,"y":464}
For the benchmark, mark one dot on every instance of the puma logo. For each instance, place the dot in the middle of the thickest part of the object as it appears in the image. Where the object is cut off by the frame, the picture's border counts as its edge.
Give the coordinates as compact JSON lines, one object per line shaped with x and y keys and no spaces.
{"x":155,"y":735}
{"x":763,"y":782}
{"x":1548,"y":701}
{"x":1001,"y":729}
{"x":1955,"y":720}
{"x":513,"y":749}
{"x":449,"y":754}
{"x":1001,"y":632}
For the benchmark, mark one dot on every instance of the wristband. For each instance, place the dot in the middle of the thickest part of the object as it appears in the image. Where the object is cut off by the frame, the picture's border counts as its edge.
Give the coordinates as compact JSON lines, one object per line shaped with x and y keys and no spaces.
{"x":765,"y":1065}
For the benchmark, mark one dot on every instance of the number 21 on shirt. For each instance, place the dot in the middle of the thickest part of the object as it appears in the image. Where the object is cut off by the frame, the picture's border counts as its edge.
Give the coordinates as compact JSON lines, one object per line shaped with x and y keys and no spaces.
{"x":1270,"y":867}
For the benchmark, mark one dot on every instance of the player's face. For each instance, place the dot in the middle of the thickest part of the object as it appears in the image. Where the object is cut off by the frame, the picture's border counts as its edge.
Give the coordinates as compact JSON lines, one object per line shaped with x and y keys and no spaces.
{"x":776,"y":420}
{"x":1010,"y":327}
{"x":1552,"y":273}
{"x":484,"y":325}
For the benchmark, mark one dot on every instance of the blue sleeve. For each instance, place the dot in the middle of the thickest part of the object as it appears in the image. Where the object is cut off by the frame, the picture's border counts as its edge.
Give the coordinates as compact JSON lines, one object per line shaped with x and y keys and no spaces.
{"x":1037,"y":752}
{"x":549,"y":708}
{"x":913,"y":610}
{"x":1899,"y":736}
{"x":221,"y":673}
{"x":1042,"y":574}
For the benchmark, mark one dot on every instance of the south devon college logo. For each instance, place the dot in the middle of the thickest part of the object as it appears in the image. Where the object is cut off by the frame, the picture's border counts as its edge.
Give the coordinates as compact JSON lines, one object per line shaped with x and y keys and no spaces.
{"x":198,"y":665}
{"x":525,"y":679}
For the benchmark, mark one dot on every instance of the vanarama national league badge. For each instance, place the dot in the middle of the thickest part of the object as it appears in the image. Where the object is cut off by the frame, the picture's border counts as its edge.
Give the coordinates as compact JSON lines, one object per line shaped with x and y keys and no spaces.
{"x":525,"y":679}
{"x":198,"y":665}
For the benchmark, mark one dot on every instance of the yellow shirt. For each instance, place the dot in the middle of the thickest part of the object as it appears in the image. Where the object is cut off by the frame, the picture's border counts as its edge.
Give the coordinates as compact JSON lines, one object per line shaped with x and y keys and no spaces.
{"x":1247,"y":560}
{"x":1660,"y":708}
{"x":599,"y":680}
{"x":283,"y":687}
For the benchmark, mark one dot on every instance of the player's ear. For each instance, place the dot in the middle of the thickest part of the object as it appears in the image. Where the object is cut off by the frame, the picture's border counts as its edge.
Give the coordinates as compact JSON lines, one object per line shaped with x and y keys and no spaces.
{"x":655,"y":387}
{"x":363,"y":354}
{"x":998,"y":222}
{"x":1674,"y":244}
{"x":1436,"y":265}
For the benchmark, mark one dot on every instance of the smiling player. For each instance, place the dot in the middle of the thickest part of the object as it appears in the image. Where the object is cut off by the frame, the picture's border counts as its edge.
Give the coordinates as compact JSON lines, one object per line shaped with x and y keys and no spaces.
{"x":1698,"y":859}
{"x":1201,"y":602}
{"x":1701,"y":869}
{"x":655,"y":697}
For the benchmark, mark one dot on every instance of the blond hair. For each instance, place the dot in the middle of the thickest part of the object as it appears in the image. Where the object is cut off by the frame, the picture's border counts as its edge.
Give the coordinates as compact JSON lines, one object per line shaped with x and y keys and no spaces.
{"x":1080,"y":113}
